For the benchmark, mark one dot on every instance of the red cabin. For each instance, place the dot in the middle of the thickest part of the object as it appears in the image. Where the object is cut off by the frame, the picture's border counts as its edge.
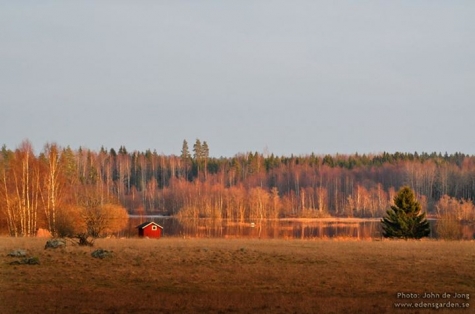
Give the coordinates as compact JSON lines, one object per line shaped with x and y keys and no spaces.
{"x":150,"y":229}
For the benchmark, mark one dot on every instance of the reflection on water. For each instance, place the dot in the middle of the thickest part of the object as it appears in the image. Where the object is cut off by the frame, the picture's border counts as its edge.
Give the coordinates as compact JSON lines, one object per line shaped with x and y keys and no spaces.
{"x":268,"y":229}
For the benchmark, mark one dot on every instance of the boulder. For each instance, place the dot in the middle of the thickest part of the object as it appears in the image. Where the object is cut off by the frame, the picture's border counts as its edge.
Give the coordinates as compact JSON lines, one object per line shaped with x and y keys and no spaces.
{"x":31,"y":261}
{"x":55,"y":243}
{"x":100,"y":253}
{"x":17,"y":253}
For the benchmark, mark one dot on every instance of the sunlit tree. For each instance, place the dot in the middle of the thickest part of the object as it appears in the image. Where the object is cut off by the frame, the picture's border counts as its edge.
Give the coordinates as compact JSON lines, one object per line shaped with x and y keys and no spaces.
{"x":54,"y":183}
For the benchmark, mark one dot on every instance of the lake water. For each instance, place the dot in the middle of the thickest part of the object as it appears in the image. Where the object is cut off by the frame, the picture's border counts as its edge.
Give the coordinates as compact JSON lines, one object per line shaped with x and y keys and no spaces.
{"x":272,"y":229}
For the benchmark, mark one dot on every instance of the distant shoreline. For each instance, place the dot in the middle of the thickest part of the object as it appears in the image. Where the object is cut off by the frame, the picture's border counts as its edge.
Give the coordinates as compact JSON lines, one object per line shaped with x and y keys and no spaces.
{"x":303,"y":219}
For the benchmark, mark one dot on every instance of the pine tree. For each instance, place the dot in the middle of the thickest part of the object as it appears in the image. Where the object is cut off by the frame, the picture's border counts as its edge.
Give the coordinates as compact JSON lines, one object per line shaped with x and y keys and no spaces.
{"x":205,"y":150}
{"x":185,"y":158}
{"x":205,"y":155}
{"x":185,"y":152}
{"x":405,"y":219}
{"x":197,"y":156}
{"x":197,"y":149}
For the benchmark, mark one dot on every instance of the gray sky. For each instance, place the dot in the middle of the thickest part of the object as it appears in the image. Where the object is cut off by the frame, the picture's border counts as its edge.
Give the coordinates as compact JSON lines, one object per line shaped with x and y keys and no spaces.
{"x":288,"y":77}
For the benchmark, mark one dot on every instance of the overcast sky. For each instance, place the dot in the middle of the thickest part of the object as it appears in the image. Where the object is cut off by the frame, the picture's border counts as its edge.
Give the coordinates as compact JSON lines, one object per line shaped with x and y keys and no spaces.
{"x":286,"y":77}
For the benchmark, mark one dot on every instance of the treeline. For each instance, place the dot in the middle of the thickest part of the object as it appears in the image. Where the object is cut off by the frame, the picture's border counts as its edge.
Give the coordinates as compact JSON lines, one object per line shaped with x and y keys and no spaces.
{"x":38,"y":189}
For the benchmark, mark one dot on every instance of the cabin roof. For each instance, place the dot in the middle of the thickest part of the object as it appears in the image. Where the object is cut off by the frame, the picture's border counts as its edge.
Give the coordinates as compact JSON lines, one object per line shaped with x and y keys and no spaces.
{"x":148,"y":223}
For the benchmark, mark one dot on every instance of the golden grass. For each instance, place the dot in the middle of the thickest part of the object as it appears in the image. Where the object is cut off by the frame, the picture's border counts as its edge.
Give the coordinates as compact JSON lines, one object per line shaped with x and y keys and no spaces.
{"x":173,"y":275}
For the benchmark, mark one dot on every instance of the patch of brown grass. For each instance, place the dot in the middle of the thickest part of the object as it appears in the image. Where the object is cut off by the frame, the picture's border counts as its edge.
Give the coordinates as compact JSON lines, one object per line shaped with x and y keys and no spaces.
{"x":174,"y":275}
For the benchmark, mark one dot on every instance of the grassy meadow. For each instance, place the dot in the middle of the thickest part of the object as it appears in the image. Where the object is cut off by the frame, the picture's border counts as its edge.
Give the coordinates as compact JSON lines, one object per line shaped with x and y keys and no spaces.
{"x":175,"y":275}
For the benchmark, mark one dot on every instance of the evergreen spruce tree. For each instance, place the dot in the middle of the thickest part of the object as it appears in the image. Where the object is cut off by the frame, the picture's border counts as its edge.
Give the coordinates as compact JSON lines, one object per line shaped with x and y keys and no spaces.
{"x":405,"y":219}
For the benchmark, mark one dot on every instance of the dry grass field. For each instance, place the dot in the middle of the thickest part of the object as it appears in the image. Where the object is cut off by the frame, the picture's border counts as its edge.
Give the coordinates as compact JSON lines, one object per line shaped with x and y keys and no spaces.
{"x":174,"y":275}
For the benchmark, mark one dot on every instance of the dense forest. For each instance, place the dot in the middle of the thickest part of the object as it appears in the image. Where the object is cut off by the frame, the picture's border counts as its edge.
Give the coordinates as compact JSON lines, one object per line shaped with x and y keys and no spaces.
{"x":65,"y":190}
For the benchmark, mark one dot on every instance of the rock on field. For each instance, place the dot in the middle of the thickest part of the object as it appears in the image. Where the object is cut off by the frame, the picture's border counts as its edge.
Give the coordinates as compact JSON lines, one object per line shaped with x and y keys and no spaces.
{"x":55,"y":243}
{"x":17,"y":253}
{"x":100,"y":253}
